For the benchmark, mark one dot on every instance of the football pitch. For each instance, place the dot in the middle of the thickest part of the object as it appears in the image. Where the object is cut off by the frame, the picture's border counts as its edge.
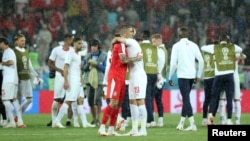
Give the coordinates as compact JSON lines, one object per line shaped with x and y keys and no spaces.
{"x":37,"y":130}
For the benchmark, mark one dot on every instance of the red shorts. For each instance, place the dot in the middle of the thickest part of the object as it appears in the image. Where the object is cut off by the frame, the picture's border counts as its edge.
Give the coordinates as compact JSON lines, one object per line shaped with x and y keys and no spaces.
{"x":116,"y":89}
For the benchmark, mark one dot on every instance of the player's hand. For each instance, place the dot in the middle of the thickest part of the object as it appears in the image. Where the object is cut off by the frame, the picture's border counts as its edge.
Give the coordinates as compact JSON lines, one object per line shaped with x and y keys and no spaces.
{"x":66,"y":85}
{"x":170,"y":82}
{"x":139,"y":56}
{"x":196,"y":80}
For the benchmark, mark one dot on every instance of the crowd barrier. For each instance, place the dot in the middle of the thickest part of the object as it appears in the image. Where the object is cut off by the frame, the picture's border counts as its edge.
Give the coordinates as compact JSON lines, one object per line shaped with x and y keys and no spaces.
{"x":172,"y":100}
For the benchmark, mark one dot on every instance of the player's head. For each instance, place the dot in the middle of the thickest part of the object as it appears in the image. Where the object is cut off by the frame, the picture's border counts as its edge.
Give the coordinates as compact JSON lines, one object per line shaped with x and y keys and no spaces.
{"x":19,"y":40}
{"x":146,"y":34}
{"x":68,"y":39}
{"x":3,"y":43}
{"x":224,"y":37}
{"x":127,"y":31}
{"x":182,"y":32}
{"x":77,"y":43}
{"x":156,"y":39}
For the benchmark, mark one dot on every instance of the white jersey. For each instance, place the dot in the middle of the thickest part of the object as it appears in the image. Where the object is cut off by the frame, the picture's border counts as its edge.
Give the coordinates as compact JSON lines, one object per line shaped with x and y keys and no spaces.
{"x":58,"y":56}
{"x":137,"y":75}
{"x":74,"y":60}
{"x":9,"y":72}
{"x":133,"y":50}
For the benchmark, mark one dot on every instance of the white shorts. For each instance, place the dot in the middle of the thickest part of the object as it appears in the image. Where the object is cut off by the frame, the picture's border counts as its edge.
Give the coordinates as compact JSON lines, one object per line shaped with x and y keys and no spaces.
{"x":137,"y":86}
{"x":25,"y":88}
{"x":237,"y":92}
{"x":73,"y":92}
{"x":9,"y":91}
{"x":59,"y":91}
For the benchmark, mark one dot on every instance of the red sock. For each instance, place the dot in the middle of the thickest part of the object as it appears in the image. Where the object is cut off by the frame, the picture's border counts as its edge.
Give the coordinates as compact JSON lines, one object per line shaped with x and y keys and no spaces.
{"x":114,"y":117}
{"x":106,"y":114}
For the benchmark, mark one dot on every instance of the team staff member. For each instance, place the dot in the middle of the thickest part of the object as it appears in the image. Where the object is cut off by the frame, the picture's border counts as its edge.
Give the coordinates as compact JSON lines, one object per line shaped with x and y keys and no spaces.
{"x":161,"y":76}
{"x":150,"y":59}
{"x":224,"y":53}
{"x":183,"y":60}
{"x":208,"y":77}
{"x":94,"y":66}
{"x":25,"y":70}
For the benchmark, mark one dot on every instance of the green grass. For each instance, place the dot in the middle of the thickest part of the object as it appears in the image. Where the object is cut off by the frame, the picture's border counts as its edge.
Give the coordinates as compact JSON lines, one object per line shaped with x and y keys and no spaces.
{"x":38,"y":131}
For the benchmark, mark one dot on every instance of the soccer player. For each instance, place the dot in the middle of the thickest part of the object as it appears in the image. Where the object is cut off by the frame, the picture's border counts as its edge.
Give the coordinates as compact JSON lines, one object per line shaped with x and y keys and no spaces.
{"x":224,"y":53}
{"x":137,"y":83}
{"x":56,"y":62}
{"x":183,"y":60}
{"x":10,"y":84}
{"x":116,"y":85}
{"x":156,"y":40}
{"x":3,"y":120}
{"x":72,"y":84}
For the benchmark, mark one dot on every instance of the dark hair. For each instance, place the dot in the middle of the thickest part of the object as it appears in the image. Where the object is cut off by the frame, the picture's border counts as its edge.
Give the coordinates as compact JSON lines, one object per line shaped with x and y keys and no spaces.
{"x":76,"y":39}
{"x":4,"y":40}
{"x":224,"y":37}
{"x":66,"y":36}
{"x":95,"y":42}
{"x":145,"y":34}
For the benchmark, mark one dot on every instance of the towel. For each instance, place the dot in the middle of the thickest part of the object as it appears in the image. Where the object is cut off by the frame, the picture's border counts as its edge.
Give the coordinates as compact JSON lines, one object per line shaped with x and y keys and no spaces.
{"x":93,"y":74}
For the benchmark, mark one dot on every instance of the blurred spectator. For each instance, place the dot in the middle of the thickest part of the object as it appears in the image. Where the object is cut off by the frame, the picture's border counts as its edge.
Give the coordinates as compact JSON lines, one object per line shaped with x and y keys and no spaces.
{"x":43,"y":41}
{"x":156,"y":4}
{"x":20,"y":5}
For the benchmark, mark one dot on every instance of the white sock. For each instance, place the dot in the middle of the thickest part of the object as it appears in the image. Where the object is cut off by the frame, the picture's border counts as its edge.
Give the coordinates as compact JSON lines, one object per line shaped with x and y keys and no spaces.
{"x":63,"y":110}
{"x":9,"y":113}
{"x":182,"y":121}
{"x":25,"y":104}
{"x":18,"y":111}
{"x":191,"y":120}
{"x":111,"y":129}
{"x":134,"y":117}
{"x":54,"y":109}
{"x":82,"y":114}
{"x":74,"y":111}
{"x":222,"y":110}
{"x":143,"y":112}
{"x":237,"y":105}
{"x":160,"y":119}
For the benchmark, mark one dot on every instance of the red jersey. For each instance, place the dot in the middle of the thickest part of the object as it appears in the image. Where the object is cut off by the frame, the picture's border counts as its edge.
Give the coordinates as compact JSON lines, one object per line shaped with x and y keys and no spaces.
{"x":117,"y":74}
{"x":117,"y":68}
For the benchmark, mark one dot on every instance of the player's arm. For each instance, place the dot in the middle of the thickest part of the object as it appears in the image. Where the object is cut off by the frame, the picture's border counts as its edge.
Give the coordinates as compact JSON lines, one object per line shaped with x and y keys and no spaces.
{"x":127,"y":60}
{"x":52,"y":66}
{"x":65,"y":75}
{"x":7,"y":63}
{"x":119,"y":39}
